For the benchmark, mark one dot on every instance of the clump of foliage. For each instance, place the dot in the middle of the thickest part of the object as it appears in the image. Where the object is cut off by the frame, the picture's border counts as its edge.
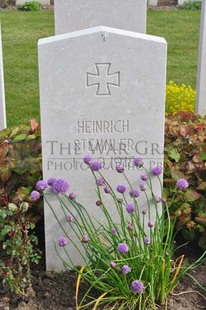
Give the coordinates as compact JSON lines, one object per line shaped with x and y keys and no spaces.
{"x":20,"y":168}
{"x":129,"y":253}
{"x":30,"y":6}
{"x":179,"y":98}
{"x":185,"y":157}
{"x":191,"y":5}
{"x":17,"y":247}
{"x":20,"y":165}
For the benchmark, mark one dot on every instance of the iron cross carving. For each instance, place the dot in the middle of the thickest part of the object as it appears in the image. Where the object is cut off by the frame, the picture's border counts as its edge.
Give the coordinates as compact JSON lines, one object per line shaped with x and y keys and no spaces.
{"x":103,"y":79}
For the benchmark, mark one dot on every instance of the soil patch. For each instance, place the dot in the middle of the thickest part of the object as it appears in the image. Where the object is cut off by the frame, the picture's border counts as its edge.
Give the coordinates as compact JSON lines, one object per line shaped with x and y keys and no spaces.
{"x":56,"y":291}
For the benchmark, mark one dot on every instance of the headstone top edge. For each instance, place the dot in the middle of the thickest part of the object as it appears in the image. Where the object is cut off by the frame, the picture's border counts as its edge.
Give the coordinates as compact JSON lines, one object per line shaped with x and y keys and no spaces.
{"x":92,"y":30}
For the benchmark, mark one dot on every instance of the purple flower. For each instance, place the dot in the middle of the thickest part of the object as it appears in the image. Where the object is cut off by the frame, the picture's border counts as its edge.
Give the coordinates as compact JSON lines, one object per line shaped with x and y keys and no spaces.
{"x":138,"y":162}
{"x":137,"y":287}
{"x":87,"y":159}
{"x":62,"y":241}
{"x":120,"y":169}
{"x":85,"y":239}
{"x":96,"y":166}
{"x":129,"y":227}
{"x":100,"y":181}
{"x":123,"y":248}
{"x":51,"y":181}
{"x":107,"y":189}
{"x":130,"y":207}
{"x":121,"y":188}
{"x":144,"y":177}
{"x":114,"y":231}
{"x":35,"y":195}
{"x":156,"y":170}
{"x":182,"y":184}
{"x":126,"y":269}
{"x":134,"y":193}
{"x":41,"y":185}
{"x":69,"y":218}
{"x":150,"y":224}
{"x":59,"y":186}
{"x":98,"y":203}
{"x":112,"y":265}
{"x":147,"y":240}
{"x":142,"y":187}
{"x":157,"y":198}
{"x":72,"y":196}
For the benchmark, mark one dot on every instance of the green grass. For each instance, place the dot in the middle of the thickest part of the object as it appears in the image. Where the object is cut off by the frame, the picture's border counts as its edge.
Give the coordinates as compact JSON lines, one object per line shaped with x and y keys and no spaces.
{"x":21,"y":31}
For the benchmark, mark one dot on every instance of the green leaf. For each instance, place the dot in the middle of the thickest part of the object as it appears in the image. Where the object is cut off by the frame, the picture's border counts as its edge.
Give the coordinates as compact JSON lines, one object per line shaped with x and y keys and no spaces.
{"x":192,"y":195}
{"x":20,"y":137}
{"x":173,"y":154}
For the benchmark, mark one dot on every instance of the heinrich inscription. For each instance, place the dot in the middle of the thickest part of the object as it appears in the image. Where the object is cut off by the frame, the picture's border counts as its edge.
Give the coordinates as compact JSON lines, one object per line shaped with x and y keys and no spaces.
{"x":103,"y":79}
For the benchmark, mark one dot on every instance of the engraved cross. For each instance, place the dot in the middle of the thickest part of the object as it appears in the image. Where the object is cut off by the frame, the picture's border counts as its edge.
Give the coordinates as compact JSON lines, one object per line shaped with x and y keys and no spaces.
{"x":103,"y":79}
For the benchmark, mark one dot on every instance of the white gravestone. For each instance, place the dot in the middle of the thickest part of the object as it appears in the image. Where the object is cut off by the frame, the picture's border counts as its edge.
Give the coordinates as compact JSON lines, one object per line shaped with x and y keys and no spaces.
{"x":180,"y":2}
{"x":201,"y":75}
{"x":153,"y":2}
{"x":2,"y":92}
{"x":102,"y":92}
{"x":72,"y":15}
{"x":43,"y":2}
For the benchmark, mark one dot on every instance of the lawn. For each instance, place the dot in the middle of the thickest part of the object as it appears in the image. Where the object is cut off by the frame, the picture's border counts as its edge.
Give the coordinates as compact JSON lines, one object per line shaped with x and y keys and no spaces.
{"x":21,"y":31}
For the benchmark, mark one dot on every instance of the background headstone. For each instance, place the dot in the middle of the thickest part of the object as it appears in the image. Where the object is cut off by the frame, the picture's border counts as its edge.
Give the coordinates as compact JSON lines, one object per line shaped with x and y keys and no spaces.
{"x":180,"y":2}
{"x":101,"y":89}
{"x":153,"y":2}
{"x":201,"y":76}
{"x":2,"y":92}
{"x":72,"y":15}
{"x":43,"y":2}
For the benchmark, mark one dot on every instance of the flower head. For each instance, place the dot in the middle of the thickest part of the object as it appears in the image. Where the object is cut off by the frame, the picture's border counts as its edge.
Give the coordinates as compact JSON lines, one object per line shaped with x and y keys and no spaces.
{"x":121,"y":188}
{"x":69,"y":218}
{"x":150,"y":224}
{"x":125,"y":269}
{"x":87,"y":159}
{"x":129,"y":227}
{"x":144,"y":177}
{"x":35,"y":195}
{"x":157,"y":198}
{"x":112,"y":265}
{"x":142,"y":187}
{"x":98,"y":203}
{"x":134,"y":193}
{"x":120,"y":169}
{"x":96,"y":166}
{"x":107,"y":189}
{"x":156,"y":170}
{"x":100,"y":181}
{"x":85,"y":239}
{"x":41,"y":185}
{"x":137,"y":287}
{"x":182,"y":184}
{"x":51,"y":181}
{"x":72,"y":196}
{"x":62,"y":241}
{"x":138,"y":162}
{"x":114,"y":231}
{"x":123,"y":248}
{"x":59,"y":186}
{"x":147,"y":240}
{"x":130,"y":207}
